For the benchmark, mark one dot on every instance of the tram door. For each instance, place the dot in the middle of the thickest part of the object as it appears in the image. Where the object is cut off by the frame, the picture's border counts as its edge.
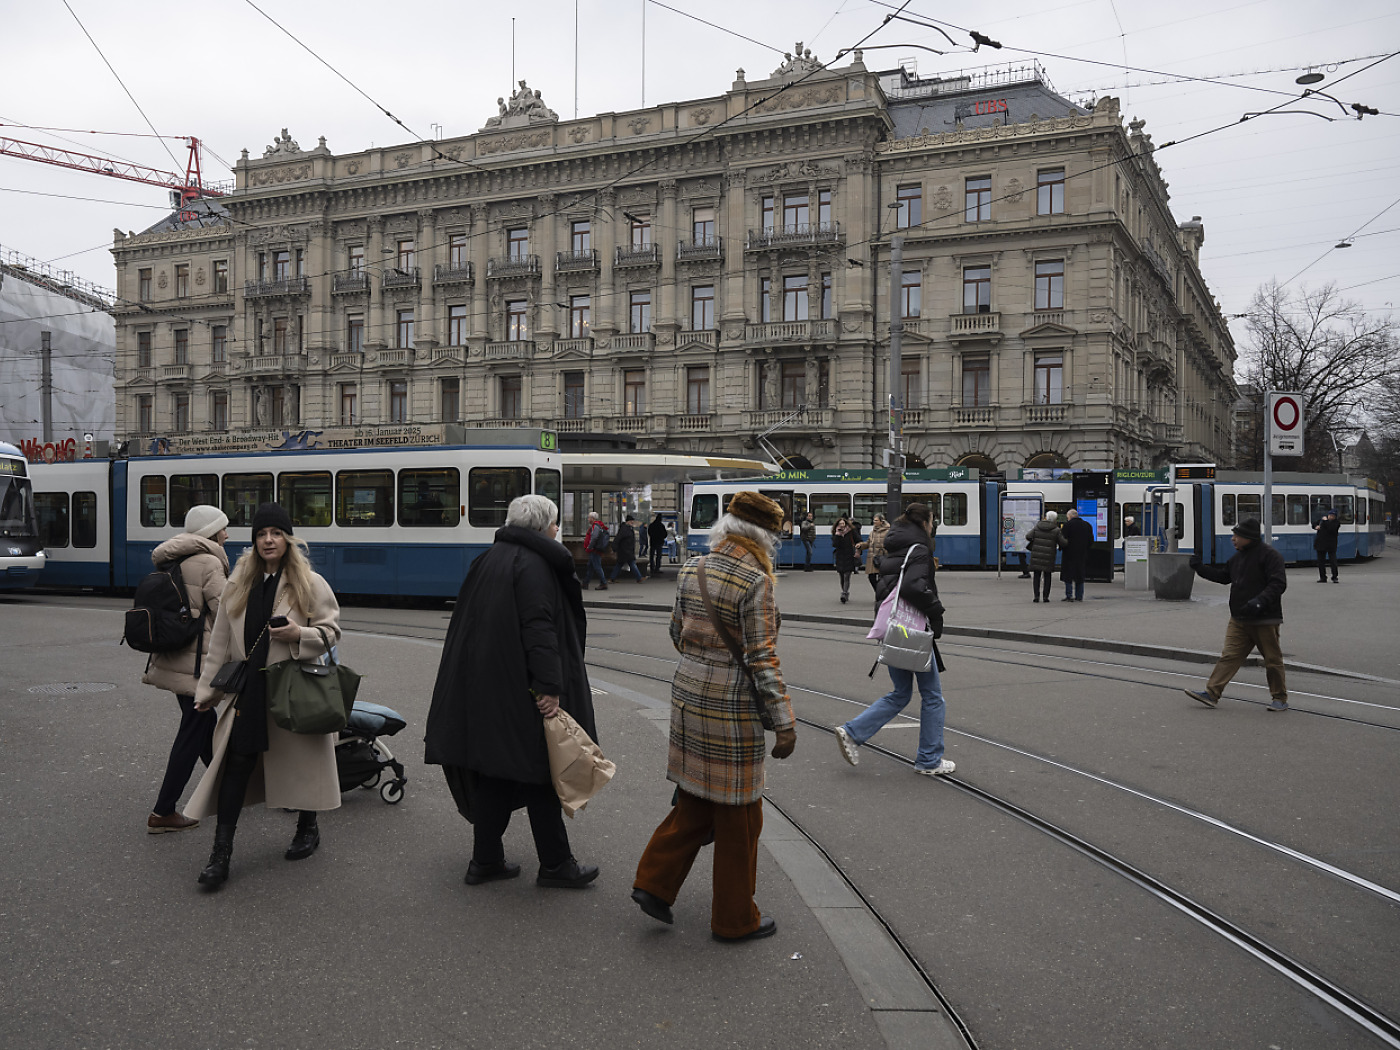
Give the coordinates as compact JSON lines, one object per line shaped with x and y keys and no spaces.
{"x":788,"y":537}
{"x":1092,"y":492}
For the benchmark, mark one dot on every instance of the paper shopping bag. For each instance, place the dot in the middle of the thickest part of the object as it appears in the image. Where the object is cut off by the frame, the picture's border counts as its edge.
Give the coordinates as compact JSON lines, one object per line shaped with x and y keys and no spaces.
{"x":576,"y":763}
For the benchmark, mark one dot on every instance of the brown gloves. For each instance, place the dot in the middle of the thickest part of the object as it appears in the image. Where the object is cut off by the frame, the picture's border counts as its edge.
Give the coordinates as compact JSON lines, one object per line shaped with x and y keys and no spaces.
{"x":783,"y":746}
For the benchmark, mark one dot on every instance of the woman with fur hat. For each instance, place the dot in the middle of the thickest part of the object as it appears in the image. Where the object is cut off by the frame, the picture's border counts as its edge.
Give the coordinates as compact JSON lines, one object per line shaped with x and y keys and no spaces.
{"x":717,"y":742}
{"x":199,"y":550}
{"x":256,"y":760}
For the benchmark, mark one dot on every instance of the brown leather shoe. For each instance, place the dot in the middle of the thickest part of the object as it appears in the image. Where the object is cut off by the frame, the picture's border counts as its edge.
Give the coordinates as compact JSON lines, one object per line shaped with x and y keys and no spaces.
{"x":174,"y":822}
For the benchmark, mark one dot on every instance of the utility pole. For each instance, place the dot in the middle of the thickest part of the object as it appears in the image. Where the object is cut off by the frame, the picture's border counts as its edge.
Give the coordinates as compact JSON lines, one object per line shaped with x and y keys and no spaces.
{"x":46,"y":385}
{"x":895,"y":454}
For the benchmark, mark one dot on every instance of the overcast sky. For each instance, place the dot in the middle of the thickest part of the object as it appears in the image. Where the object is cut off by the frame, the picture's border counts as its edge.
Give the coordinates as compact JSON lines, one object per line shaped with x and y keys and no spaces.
{"x":1275,"y":194}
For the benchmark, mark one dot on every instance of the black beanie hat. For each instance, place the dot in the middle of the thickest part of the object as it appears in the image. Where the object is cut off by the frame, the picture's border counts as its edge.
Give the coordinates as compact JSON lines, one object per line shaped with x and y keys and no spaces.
{"x":271,"y":516}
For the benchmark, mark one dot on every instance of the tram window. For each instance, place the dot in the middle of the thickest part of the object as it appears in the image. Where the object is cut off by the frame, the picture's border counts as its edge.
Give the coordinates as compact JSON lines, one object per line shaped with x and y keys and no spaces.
{"x":1247,"y":506}
{"x":1346,"y":509}
{"x":1297,"y":508}
{"x":1277,"y":505}
{"x":364,"y":498}
{"x":573,"y":512}
{"x":51,"y":510}
{"x":244,"y":494}
{"x":1227,"y":509}
{"x":932,"y":500}
{"x":826,"y":507}
{"x":1134,"y":511}
{"x":85,"y":519}
{"x":190,"y":490}
{"x":307,"y":497}
{"x":1361,"y":511}
{"x":799,"y":507}
{"x":1319,"y":508}
{"x":783,"y":498}
{"x":867,"y":505}
{"x":490,"y":490}
{"x":430,"y":497}
{"x":955,"y":508}
{"x":704,"y":510}
{"x":1060,"y":509}
{"x":548,"y":483}
{"x":153,"y":501}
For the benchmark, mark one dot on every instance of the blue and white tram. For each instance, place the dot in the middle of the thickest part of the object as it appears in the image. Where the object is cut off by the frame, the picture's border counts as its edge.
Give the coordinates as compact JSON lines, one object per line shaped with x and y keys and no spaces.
{"x":1299,"y":501}
{"x":22,"y":556}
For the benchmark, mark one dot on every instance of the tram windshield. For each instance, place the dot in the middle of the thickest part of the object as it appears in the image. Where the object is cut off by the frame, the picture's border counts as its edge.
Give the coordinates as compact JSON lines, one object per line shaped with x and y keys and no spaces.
{"x":16,"y":508}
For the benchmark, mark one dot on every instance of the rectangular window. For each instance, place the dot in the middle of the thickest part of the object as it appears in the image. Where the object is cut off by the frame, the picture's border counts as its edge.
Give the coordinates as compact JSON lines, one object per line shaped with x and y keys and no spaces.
{"x":277,"y":406}
{"x":1298,"y":509}
{"x":218,"y":411}
{"x":349,"y":400}
{"x":1346,"y":510}
{"x":977,"y":381}
{"x":430,"y":497}
{"x":826,"y":296}
{"x":182,"y":280}
{"x":640,"y":232}
{"x":307,"y":497}
{"x":457,"y":325}
{"x":510,"y":397}
{"x":979,"y":199}
{"x":794,"y":379}
{"x":826,"y":507}
{"x":765,"y":214}
{"x":911,"y":207}
{"x":457,"y":250}
{"x":364,"y":498}
{"x":704,"y":510}
{"x":634,"y":392}
{"x":1049,"y":379}
{"x":244,"y":494}
{"x":977,"y":289}
{"x":219,"y":344}
{"x":1319,"y":507}
{"x":549,"y":484}
{"x":1248,"y":504}
{"x":190,"y":490}
{"x":145,"y":412}
{"x":281,"y":265}
{"x":573,"y":396}
{"x":517,"y":320}
{"x":153,"y":501}
{"x":824,"y":208}
{"x":51,"y":512}
{"x":301,"y":263}
{"x":955,"y":508}
{"x":1050,"y":192}
{"x":85,"y":519}
{"x":220,"y":276}
{"x":795,"y":298}
{"x":910,"y":388}
{"x":143,"y":349}
{"x":407,"y":254}
{"x":489,"y":492}
{"x":640,"y":310}
{"x":581,"y":237}
{"x":697,"y":390}
{"x":702,"y":307}
{"x":357,"y":260}
{"x":796,"y":214}
{"x":450,"y":399}
{"x":405,"y":329}
{"x":580,"y":316}
{"x":182,"y":346}
{"x":1050,"y":284}
{"x":765,"y":300}
{"x":279,"y":335}
{"x":702,"y":226}
{"x":355,"y":333}
{"x":866,"y":505}
{"x":180,"y":409}
{"x":262,"y":266}
{"x":398,"y":401}
{"x":518,"y":243}
{"x":911,"y":294}
{"x":143,"y":284}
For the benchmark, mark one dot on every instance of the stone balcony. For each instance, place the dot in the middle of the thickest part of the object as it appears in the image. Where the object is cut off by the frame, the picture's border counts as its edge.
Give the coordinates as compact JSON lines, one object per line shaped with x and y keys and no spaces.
{"x":790,"y":332}
{"x":447,"y":355}
{"x":351,"y":358}
{"x":710,"y":248}
{"x":692,"y":424}
{"x":412,"y":278}
{"x":349,"y":283}
{"x":630,"y":424}
{"x":1040,"y":415}
{"x":705,"y":336}
{"x":447,"y":273}
{"x":1167,"y":434}
{"x":796,"y":235}
{"x":974,"y":326}
{"x":567,"y":262}
{"x":579,"y":345}
{"x":572,"y":425}
{"x":513,"y":266}
{"x":510,"y":350}
{"x":174,"y":372}
{"x":633,"y":342}
{"x":393,"y":358}
{"x":969,"y":416}
{"x":275,"y":364}
{"x":284,"y":286}
{"x":647,"y":255}
{"x":808,"y":419}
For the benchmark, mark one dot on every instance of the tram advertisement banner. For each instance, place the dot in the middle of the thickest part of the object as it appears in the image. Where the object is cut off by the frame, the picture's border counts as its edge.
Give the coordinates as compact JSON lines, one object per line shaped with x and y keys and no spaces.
{"x":397,"y":436}
{"x":1018,"y":517}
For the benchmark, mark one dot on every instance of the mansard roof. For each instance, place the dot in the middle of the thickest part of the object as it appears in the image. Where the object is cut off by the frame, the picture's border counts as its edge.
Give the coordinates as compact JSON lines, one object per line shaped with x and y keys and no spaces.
{"x":973,"y":100}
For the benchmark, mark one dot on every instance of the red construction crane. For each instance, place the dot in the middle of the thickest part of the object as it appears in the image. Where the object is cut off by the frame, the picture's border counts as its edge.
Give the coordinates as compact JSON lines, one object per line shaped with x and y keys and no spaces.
{"x":190,"y":186}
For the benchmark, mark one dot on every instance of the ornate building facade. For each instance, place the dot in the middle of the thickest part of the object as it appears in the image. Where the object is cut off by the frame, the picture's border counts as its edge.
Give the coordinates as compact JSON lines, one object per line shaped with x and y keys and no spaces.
{"x":701,"y":273}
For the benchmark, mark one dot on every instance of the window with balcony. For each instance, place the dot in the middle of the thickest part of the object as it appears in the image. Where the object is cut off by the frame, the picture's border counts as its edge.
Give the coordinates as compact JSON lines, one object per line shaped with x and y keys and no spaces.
{"x":794,"y":384}
{"x":398,"y":401}
{"x":357,"y":260}
{"x":457,"y":250}
{"x":279,"y":335}
{"x":145,"y":414}
{"x":581,"y":237}
{"x":640,"y":231}
{"x":911,"y":294}
{"x":143,"y":349}
{"x":281,"y":265}
{"x":407,"y":254}
{"x":911,"y":207}
{"x":219,"y":344}
{"x":826,"y":296}
{"x":978,"y":206}
{"x":404,"y":329}
{"x":182,"y":346}
{"x":511,"y":401}
{"x":702,"y":307}
{"x":765,"y":214}
{"x":1049,"y":378}
{"x":349,"y":397}
{"x":580,"y":316}
{"x":795,"y":298}
{"x":355,"y":333}
{"x":765,"y":300}
{"x":517,"y":320}
{"x":218,"y":411}
{"x":457,"y":325}
{"x":910,"y":387}
{"x":702,"y":225}
{"x":182,"y":280}
{"x":977,"y":289}
{"x":634,"y":392}
{"x":180,"y":410}
{"x":220,"y":276}
{"x":639,"y":308}
{"x":697,"y":390}
{"x":796,"y":212}
{"x":301,"y":263}
{"x":977,"y":381}
{"x":518,"y":243}
{"x":573,"y":396}
{"x":1050,"y":192}
{"x":143,"y":285}
{"x":450,"y":399}
{"x":1050,"y":284}
{"x":824,"y":208}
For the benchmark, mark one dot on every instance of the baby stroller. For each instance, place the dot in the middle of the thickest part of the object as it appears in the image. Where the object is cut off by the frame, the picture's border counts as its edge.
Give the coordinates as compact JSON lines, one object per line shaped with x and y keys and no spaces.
{"x":361,"y":757}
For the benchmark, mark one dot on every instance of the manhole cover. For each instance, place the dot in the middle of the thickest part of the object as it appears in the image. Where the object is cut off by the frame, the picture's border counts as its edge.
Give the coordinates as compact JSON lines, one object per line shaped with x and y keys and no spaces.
{"x":64,"y":688}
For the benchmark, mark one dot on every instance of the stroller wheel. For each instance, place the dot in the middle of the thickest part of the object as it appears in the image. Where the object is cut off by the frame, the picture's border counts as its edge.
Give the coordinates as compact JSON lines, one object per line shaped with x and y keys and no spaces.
{"x":373,"y":782}
{"x":392,"y":792}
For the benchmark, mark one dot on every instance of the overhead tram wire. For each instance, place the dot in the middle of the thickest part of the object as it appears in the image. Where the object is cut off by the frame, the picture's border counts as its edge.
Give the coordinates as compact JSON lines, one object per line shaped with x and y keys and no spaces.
{"x":1344,"y":240}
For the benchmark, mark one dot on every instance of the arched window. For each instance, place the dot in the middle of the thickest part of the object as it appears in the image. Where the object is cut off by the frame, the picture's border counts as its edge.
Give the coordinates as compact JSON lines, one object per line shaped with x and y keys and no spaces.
{"x":913,"y":461}
{"x":978,"y":460}
{"x":795,"y":463}
{"x":1048,"y":459}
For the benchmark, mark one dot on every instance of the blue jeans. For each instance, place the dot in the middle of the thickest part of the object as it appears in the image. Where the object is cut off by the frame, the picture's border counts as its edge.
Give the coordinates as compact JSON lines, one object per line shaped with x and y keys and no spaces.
{"x":629,"y":564}
{"x":595,"y":564}
{"x":873,"y":718}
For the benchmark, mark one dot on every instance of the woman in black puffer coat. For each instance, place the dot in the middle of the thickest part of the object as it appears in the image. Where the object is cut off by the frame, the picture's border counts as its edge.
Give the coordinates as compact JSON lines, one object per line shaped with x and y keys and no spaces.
{"x":843,"y":550}
{"x":1044,"y":540}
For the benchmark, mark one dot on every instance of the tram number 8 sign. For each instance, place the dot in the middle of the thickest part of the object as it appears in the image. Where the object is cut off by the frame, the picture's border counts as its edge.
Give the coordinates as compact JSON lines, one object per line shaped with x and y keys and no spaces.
{"x":1285,"y":424}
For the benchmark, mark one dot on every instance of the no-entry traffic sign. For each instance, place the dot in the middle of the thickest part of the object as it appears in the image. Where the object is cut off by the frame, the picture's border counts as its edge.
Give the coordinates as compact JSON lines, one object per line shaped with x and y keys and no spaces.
{"x":1285,"y":424}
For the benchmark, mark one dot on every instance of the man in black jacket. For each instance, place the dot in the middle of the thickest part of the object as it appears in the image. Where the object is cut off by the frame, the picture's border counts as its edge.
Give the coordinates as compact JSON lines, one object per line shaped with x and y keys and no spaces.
{"x":1257,"y":580}
{"x":656,"y":537}
{"x":1079,"y":537}
{"x":626,"y":550}
{"x":1325,"y":543}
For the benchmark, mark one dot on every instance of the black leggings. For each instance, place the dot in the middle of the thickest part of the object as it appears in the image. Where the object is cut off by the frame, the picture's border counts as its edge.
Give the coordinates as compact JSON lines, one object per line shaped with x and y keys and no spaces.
{"x":233,"y":789}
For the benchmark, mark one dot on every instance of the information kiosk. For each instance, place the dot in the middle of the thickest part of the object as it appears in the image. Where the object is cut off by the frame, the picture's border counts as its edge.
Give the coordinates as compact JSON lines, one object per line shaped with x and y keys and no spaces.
{"x":1092,"y":492}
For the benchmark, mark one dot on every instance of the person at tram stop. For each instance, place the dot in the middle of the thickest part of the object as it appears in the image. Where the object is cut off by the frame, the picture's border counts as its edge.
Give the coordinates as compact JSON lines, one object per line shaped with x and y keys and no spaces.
{"x":1325,"y":543}
{"x":907,"y":550}
{"x":808,"y":531}
{"x":1257,"y":579}
{"x":843,"y":553}
{"x":626,"y":550}
{"x":874,"y":548}
{"x":1130,"y":527}
{"x":595,"y":540}
{"x":1079,"y":537}
{"x":1044,"y":540}
{"x":255,"y":759}
{"x":643,"y":542}
{"x":673,"y":543}
{"x":716,"y":757}
{"x":204,"y":572}
{"x":656,"y":534}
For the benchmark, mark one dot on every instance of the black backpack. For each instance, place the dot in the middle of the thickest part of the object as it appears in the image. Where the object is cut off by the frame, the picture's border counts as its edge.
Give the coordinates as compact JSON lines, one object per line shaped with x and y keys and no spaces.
{"x":159,"y":620}
{"x":601,"y":540}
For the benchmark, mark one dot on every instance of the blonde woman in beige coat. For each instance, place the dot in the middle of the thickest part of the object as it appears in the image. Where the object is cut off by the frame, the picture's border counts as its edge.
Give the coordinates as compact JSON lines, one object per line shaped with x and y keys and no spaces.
{"x":255,"y":760}
{"x":875,"y":548}
{"x":204,"y":572}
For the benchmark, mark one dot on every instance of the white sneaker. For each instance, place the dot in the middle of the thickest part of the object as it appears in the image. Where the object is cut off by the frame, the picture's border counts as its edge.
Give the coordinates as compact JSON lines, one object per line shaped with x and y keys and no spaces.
{"x":849,"y":751}
{"x":944,"y":766}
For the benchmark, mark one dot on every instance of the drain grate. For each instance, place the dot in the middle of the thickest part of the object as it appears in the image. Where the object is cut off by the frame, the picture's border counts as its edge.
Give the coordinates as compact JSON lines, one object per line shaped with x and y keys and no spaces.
{"x":65,"y":688}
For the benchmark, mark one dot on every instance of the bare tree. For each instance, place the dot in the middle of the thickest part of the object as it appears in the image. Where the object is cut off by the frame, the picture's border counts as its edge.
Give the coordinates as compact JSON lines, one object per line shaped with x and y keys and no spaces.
{"x":1326,"y":348}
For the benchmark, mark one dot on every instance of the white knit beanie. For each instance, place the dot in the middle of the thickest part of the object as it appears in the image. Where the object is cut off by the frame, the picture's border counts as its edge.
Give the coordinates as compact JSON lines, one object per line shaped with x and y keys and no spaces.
{"x":204,"y":520}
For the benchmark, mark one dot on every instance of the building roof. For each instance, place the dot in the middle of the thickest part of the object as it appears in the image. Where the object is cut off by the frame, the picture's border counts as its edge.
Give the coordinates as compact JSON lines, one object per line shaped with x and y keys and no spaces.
{"x":972,"y":99}
{"x":207,"y":211}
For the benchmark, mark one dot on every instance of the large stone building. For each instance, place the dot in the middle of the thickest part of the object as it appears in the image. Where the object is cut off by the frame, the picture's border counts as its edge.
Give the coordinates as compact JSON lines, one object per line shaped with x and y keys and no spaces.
{"x":699,"y":273}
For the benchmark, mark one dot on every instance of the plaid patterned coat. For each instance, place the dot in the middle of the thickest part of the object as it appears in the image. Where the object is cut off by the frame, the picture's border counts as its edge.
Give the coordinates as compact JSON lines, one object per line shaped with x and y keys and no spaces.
{"x":717,"y":742}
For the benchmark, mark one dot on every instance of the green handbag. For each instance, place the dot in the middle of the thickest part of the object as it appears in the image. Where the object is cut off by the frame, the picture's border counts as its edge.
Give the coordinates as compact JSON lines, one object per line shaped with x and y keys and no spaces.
{"x":311,"y":698}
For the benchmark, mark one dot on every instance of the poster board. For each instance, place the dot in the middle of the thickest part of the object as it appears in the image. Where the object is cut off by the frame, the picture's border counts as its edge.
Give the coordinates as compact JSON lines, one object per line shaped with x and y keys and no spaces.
{"x":1018,"y":516}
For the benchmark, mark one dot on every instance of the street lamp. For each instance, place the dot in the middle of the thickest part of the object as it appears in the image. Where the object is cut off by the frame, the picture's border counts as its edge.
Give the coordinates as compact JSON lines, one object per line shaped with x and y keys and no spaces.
{"x":894,"y":478}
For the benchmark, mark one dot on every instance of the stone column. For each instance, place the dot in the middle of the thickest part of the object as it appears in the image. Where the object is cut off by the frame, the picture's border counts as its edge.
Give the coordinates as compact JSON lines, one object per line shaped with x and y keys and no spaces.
{"x":546,"y":323}
{"x":608,"y":314}
{"x":480,"y":240}
{"x":735,"y":230}
{"x":671,"y":300}
{"x":376,"y":334}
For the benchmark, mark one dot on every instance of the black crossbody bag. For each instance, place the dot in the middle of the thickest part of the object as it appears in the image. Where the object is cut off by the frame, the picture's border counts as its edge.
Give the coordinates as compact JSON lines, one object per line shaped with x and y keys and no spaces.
{"x":233,"y":676}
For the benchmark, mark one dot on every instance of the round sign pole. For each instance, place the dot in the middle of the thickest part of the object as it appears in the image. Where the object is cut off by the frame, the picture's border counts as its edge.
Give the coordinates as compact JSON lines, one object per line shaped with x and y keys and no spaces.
{"x":1268,"y":508}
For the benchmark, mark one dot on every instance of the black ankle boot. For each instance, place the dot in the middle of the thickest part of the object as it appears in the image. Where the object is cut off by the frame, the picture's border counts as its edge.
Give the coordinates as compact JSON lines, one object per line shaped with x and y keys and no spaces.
{"x":307,"y":838}
{"x":215,"y":873}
